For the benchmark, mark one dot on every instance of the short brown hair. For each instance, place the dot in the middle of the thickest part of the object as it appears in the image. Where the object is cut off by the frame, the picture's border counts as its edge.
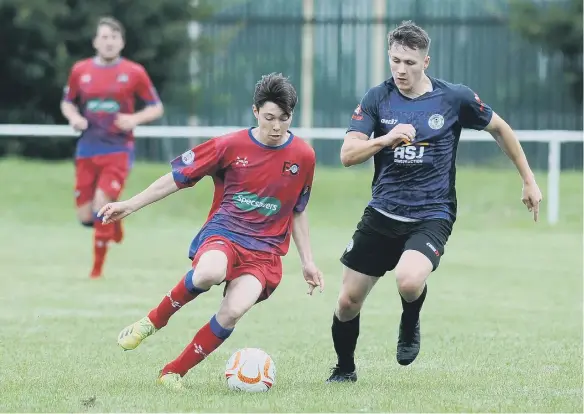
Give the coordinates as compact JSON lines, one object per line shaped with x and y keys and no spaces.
{"x":112,"y":23}
{"x":410,"y":35}
{"x":275,"y":88}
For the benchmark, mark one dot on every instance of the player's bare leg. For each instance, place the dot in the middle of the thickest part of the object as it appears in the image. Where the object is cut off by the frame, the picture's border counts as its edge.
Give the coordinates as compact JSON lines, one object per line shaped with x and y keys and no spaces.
{"x":210,"y":270}
{"x":345,"y":329}
{"x":411,"y":273}
{"x":242,"y":293}
{"x":85,"y":214}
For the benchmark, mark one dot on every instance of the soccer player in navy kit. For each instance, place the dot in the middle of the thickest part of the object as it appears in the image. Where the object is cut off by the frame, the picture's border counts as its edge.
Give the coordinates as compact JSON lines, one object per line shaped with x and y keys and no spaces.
{"x":416,"y":122}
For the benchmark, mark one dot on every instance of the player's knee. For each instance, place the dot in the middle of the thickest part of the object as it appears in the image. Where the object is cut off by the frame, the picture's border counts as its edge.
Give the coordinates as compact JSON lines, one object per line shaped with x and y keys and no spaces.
{"x":210,"y":269}
{"x":349,"y":304}
{"x":204,"y":277}
{"x":229,"y":315}
{"x":410,"y":280}
{"x":100,"y":199}
{"x":85,"y":215}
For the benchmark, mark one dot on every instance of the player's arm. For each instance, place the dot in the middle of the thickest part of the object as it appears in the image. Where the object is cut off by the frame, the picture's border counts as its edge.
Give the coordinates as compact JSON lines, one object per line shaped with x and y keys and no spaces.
{"x":147,"y":92}
{"x":156,"y":191}
{"x":475,"y":114}
{"x":507,"y":140}
{"x":187,"y":170}
{"x":149,"y":113}
{"x":70,"y":111}
{"x":153,"y":109}
{"x":68,"y":108}
{"x":301,"y":235}
{"x":357,"y":147}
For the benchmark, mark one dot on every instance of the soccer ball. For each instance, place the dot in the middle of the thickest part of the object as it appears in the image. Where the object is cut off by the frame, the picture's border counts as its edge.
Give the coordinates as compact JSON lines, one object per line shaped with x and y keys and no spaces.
{"x":251,"y":370}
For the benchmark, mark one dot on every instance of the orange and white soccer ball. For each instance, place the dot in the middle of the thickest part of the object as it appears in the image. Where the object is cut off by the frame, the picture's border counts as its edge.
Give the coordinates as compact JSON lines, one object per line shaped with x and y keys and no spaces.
{"x":251,"y":370}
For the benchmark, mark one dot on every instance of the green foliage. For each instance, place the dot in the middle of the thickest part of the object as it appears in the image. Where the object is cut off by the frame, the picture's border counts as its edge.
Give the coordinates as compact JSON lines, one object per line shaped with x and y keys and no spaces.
{"x":41,"y":40}
{"x":557,"y":27}
{"x":44,"y":38}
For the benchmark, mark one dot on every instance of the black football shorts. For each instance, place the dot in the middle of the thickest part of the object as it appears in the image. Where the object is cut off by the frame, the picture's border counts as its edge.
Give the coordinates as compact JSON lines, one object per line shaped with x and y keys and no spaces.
{"x":379,"y":241}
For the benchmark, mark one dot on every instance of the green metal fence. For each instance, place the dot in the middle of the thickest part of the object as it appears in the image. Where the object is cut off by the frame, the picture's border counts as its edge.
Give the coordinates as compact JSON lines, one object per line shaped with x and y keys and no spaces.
{"x":471,"y":44}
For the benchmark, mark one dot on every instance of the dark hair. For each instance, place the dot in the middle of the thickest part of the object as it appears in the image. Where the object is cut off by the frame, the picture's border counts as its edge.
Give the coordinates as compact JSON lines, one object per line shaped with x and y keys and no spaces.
{"x":410,"y":35}
{"x":276,"y":88}
{"x":112,"y":23}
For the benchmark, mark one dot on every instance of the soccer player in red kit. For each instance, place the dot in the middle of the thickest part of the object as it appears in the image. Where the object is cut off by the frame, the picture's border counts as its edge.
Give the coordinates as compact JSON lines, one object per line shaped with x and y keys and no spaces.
{"x":99,"y":101}
{"x":263,"y":179}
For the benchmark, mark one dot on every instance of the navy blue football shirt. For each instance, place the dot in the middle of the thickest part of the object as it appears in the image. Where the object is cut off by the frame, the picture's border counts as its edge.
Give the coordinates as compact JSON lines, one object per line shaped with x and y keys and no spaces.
{"x":417,"y":180}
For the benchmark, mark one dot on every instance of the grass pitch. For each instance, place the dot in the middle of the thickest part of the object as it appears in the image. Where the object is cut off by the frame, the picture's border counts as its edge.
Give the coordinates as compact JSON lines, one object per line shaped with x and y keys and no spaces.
{"x":501,"y":327}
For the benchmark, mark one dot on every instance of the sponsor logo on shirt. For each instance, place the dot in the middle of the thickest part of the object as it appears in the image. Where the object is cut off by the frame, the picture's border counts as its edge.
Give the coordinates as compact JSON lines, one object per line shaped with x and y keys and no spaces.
{"x":290,"y":168}
{"x":357,"y":113}
{"x":266,"y":206}
{"x":411,"y":154}
{"x":103,"y":105}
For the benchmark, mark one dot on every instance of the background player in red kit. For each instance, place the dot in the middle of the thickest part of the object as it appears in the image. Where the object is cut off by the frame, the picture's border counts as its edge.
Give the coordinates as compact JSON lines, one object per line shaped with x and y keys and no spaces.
{"x":99,"y":101}
{"x":263,"y":179}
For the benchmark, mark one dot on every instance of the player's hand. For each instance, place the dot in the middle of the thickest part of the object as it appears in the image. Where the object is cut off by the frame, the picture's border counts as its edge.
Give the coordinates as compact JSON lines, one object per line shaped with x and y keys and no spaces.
{"x":79,"y":123}
{"x":531,"y":197}
{"x":313,"y":277}
{"x":401,"y":133}
{"x":126,"y":122}
{"x":114,"y":211}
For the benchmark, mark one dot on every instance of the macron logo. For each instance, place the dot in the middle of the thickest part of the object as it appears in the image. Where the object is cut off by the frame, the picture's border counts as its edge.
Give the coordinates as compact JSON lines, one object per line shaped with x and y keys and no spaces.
{"x":389,"y":121}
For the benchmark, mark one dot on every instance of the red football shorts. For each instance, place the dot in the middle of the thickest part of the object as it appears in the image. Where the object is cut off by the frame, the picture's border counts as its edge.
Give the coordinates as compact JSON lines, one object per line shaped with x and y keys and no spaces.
{"x":265,"y":267}
{"x":107,"y":172}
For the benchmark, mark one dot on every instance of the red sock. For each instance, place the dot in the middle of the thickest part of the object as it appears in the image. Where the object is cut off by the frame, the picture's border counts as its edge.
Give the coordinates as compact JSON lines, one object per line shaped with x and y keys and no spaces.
{"x":102,"y":233}
{"x":205,"y":341}
{"x":99,"y":253}
{"x":173,"y":301}
{"x":118,"y":233}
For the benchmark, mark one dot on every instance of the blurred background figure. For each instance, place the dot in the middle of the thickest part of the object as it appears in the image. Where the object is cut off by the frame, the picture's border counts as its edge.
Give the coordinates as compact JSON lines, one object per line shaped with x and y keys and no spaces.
{"x":99,"y":102}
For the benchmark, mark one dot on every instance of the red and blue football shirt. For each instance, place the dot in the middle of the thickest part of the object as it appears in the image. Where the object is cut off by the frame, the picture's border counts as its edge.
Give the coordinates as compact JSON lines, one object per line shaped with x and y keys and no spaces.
{"x":101,"y":92}
{"x":257,"y":188}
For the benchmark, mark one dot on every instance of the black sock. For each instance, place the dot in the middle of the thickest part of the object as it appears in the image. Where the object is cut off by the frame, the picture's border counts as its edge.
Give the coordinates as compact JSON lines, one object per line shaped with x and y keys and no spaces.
{"x":412,"y":309}
{"x":345,"y":336}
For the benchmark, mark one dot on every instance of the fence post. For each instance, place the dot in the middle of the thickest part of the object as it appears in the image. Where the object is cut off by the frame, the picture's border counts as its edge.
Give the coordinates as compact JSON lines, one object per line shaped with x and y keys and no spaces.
{"x":307,"y":74}
{"x":554,"y":168}
{"x":378,"y":44}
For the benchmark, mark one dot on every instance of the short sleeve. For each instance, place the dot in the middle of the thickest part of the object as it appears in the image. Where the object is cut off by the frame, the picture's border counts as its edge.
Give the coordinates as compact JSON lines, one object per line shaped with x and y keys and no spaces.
{"x":145,"y":89}
{"x":196,"y":163}
{"x":473,"y":113}
{"x":304,"y":196}
{"x":71,"y":89}
{"x":365,"y":116}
